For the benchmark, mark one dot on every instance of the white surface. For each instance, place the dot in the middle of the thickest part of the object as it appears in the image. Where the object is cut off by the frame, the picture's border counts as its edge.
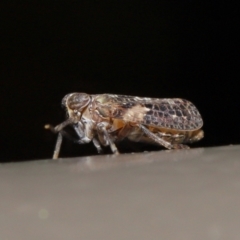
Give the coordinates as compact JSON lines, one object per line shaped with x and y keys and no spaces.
{"x":184,"y":194}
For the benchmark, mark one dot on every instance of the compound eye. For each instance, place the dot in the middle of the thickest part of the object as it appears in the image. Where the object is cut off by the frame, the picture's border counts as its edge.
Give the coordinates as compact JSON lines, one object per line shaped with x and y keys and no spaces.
{"x":76,"y":101}
{"x":79,"y":97}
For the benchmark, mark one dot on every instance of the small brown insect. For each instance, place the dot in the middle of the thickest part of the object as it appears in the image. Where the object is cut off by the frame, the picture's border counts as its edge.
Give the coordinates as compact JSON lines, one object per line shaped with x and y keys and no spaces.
{"x":106,"y":118}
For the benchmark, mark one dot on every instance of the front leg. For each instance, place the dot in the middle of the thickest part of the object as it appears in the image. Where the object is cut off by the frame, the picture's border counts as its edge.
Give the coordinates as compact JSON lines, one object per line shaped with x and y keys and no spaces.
{"x":105,"y":138}
{"x":59,"y":129}
{"x":61,"y":133}
{"x":79,"y":128}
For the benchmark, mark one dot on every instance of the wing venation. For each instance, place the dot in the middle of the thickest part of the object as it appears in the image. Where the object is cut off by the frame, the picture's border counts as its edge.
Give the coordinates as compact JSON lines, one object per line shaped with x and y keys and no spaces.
{"x":174,"y":113}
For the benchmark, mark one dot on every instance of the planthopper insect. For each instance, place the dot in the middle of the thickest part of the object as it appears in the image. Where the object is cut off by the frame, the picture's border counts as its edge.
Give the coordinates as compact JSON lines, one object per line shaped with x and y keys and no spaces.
{"x":107,"y":118}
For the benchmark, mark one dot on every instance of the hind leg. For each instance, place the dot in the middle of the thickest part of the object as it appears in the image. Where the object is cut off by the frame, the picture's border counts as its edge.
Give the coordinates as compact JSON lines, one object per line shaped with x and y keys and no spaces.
{"x":158,"y":139}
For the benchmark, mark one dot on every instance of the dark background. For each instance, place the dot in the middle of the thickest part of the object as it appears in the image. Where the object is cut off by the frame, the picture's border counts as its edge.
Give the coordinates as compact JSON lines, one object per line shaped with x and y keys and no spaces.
{"x":146,"y":48}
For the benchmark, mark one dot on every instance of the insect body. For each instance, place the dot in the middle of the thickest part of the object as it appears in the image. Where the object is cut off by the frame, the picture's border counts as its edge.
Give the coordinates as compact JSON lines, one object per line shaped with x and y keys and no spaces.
{"x":106,"y":118}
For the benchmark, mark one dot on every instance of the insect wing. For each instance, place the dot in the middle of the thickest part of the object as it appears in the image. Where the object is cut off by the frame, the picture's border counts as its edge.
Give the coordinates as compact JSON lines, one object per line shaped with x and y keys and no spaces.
{"x":178,"y":114}
{"x":174,"y":113}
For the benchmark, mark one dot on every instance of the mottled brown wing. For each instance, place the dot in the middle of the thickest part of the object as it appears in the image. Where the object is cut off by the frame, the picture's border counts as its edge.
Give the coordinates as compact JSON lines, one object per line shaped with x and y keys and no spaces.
{"x":172,"y":113}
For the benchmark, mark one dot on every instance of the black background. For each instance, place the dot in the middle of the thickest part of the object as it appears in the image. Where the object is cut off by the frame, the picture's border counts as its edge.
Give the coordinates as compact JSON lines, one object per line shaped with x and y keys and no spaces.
{"x":146,"y":48}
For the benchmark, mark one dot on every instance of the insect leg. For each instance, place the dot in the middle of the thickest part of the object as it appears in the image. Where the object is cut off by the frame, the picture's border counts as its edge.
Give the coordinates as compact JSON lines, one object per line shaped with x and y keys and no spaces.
{"x":80,"y":132}
{"x":161,"y":141}
{"x":61,"y":133}
{"x":57,"y":146}
{"x":62,"y":125}
{"x":59,"y":139}
{"x":96,"y":143}
{"x":79,"y":129}
{"x":155,"y":137}
{"x":58,"y":129}
{"x":64,"y":133}
{"x":102,"y":129}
